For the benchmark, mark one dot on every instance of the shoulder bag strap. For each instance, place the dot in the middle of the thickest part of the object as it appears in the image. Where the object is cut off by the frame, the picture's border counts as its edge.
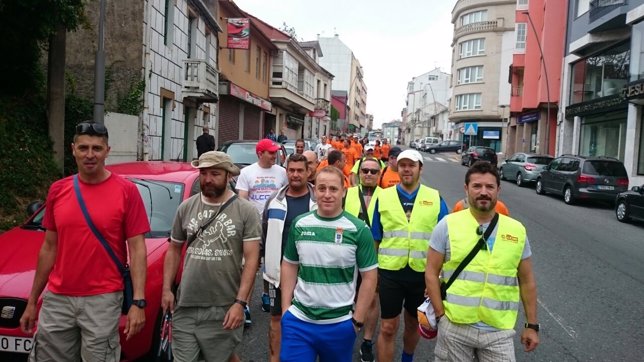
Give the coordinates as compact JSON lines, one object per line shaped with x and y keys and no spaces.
{"x":205,"y":224}
{"x":363,"y":206}
{"x":480,"y":244}
{"x":92,"y":227}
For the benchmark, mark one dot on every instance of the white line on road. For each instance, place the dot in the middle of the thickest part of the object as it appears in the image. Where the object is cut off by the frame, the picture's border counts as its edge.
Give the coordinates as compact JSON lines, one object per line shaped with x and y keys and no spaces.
{"x":442,"y":159}
{"x":571,"y":332}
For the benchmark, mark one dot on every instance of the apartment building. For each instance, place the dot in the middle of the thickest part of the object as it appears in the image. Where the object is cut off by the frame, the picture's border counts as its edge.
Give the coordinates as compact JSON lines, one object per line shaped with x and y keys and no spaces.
{"x":245,"y":108}
{"x":166,"y":48}
{"x":427,"y":98}
{"x":602,"y":91}
{"x":339,"y":59}
{"x":482,"y":48}
{"x":535,"y":76}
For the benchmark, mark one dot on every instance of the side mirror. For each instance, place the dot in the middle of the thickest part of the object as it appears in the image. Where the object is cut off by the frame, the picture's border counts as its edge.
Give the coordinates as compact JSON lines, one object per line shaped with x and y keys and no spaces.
{"x":33,"y":207}
{"x":636,"y":189}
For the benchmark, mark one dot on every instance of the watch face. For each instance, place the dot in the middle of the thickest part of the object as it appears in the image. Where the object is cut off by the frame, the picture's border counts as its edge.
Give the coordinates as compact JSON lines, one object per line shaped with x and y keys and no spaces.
{"x":140,"y":303}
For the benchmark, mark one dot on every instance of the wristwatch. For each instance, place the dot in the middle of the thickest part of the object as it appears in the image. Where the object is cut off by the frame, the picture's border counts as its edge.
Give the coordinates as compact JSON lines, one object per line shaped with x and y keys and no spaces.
{"x":532,"y":326}
{"x":141,"y":303}
{"x":358,"y":325}
{"x":241,"y":302}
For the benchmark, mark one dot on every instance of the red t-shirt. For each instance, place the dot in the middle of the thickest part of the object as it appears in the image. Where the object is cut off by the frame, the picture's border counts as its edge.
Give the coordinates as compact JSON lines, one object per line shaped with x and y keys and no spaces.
{"x":83,"y":267}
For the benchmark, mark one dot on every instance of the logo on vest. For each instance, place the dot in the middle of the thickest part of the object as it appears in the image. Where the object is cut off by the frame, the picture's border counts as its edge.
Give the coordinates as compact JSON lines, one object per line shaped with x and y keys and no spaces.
{"x":510,"y":238}
{"x":426,"y":203}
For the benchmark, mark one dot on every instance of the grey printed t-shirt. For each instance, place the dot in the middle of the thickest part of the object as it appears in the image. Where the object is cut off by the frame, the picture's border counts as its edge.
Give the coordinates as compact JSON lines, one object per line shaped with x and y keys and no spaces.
{"x":212,"y":265}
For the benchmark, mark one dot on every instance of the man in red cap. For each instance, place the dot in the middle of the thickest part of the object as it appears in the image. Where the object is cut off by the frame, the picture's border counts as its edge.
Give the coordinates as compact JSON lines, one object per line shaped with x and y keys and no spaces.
{"x":257,"y":183}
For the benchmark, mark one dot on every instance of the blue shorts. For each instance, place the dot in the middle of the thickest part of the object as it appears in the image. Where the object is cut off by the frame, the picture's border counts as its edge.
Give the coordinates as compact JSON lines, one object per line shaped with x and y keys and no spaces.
{"x":304,"y":342}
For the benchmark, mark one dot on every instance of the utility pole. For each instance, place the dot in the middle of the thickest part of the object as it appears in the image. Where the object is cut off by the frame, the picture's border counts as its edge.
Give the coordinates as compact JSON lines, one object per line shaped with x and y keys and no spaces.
{"x":99,"y":72}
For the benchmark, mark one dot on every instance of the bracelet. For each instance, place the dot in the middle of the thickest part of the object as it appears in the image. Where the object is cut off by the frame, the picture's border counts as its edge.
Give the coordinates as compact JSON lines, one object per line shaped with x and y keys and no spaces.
{"x":359,"y":325}
{"x":241,"y":302}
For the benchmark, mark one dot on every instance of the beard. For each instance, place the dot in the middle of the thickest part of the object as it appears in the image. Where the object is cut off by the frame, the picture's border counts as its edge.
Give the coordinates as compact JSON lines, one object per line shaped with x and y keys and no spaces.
{"x":491,"y":203}
{"x":213,"y":191}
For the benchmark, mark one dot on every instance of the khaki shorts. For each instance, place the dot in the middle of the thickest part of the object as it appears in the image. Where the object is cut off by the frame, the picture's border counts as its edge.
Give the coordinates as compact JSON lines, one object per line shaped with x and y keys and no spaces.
{"x":200,"y":329}
{"x":71,"y":328}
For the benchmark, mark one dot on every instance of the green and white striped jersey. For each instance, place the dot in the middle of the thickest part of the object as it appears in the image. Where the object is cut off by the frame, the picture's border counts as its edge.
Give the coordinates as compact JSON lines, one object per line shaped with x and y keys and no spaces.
{"x":329,"y":254}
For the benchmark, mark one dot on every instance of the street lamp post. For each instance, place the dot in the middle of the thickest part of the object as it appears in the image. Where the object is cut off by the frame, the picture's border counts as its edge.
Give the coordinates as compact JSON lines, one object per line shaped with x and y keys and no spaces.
{"x":99,"y":70}
{"x":545,"y":71}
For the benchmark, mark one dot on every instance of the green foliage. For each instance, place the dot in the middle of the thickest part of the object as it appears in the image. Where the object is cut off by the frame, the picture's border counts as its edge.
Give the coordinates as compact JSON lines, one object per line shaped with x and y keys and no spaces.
{"x":26,"y":26}
{"x":132,"y":102}
{"x":25,"y":156}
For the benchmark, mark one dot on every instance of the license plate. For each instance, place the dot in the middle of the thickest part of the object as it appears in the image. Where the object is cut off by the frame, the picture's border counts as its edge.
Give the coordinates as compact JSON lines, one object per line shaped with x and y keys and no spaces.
{"x":602,"y":187}
{"x":16,"y":344}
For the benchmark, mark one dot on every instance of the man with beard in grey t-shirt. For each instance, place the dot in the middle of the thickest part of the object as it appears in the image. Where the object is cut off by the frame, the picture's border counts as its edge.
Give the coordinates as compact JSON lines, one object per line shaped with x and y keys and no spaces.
{"x":208,"y":314}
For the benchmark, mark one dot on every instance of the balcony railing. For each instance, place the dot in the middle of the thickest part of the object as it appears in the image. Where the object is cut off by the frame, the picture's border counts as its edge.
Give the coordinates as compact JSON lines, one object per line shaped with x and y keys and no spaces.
{"x":201,"y":79}
{"x":476,"y":27}
{"x":322,"y":104}
{"x":599,"y":8}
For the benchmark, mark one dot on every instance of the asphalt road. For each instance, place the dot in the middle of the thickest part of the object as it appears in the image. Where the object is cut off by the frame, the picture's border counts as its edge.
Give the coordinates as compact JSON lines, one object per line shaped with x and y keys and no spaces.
{"x":589,"y":269}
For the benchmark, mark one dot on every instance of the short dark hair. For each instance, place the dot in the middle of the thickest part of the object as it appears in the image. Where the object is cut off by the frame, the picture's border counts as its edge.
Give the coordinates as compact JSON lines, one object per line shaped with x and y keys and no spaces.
{"x":482,"y":167}
{"x":334,"y":156}
{"x":298,"y":157}
{"x":300,"y":140}
{"x":91,"y":128}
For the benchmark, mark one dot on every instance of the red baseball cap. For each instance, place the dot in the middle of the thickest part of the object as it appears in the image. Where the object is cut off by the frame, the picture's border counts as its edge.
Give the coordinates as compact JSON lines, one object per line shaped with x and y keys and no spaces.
{"x":266,"y":145}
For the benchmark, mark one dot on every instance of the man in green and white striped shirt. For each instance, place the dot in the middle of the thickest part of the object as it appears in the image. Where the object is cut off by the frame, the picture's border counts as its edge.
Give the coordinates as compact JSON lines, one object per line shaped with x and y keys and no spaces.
{"x":325,"y":251}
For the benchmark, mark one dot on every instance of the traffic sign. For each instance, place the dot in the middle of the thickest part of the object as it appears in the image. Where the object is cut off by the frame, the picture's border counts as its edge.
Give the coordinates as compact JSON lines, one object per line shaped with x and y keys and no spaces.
{"x":471,"y":129}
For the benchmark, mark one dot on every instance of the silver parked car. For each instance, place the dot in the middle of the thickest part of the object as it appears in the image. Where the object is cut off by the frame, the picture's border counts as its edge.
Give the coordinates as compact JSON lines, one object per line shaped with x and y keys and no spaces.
{"x":523,"y":168}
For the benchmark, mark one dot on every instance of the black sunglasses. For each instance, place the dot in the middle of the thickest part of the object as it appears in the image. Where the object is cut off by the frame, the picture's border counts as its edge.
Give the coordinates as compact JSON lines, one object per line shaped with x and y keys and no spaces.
{"x":91,"y":128}
{"x":369,"y":170}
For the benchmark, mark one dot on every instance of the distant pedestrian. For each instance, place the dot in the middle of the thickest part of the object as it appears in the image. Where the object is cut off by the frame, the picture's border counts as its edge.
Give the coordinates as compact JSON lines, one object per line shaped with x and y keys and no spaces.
{"x":282,"y":137}
{"x":282,"y":208}
{"x":221,"y":230}
{"x":205,"y":142}
{"x":271,"y":135}
{"x":299,"y":146}
{"x":79,"y":317}
{"x":477,"y":313}
{"x":389,"y":176}
{"x":325,"y":251}
{"x":312,"y":164}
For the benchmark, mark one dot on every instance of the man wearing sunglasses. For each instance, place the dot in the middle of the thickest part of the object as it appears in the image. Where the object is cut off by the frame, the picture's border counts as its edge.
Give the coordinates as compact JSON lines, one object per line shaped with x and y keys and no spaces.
{"x":80,"y":312}
{"x":359,"y":202}
{"x":403,"y":219}
{"x":480,"y":308}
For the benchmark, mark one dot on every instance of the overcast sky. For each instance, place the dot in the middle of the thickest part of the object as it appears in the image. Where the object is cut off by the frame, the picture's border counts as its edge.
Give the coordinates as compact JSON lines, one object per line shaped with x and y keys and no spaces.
{"x":393,"y":40}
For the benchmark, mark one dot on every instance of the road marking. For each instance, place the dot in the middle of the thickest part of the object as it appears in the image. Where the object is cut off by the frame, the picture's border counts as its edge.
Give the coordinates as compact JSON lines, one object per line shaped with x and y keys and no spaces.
{"x":442,"y":159}
{"x":571,"y":332}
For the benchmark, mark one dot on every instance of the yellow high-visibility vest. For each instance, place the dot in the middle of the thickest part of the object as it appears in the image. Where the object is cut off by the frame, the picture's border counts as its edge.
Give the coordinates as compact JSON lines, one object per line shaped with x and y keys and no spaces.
{"x":406,"y":242}
{"x":487,"y":290}
{"x":352,"y":202}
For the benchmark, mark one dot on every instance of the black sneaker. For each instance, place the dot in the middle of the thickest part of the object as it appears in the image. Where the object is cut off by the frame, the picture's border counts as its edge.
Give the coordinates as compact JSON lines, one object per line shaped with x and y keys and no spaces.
{"x":366,"y":352}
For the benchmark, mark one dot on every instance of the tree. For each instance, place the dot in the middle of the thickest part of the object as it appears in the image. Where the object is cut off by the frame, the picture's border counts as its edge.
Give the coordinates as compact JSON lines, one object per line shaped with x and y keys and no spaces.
{"x":289,"y":30}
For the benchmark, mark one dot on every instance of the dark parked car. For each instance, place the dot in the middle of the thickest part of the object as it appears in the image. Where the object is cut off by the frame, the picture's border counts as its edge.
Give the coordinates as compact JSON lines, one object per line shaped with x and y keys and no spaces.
{"x":476,"y":153}
{"x":630,"y":204}
{"x":523,"y":167}
{"x":587,"y":178}
{"x":445,"y":146}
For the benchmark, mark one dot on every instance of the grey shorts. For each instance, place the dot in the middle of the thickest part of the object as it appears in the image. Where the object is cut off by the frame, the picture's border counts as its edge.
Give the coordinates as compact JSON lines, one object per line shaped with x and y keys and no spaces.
{"x":71,"y":328}
{"x":200,"y":329}
{"x":459,"y":342}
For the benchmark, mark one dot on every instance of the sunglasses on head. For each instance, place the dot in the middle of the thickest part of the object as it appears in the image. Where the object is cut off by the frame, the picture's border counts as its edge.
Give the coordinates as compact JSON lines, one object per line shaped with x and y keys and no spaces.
{"x":91,"y":128}
{"x":369,"y":170}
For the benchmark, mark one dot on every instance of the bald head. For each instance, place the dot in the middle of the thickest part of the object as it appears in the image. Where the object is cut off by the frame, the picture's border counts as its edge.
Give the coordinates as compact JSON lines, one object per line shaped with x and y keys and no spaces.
{"x":312,"y":163}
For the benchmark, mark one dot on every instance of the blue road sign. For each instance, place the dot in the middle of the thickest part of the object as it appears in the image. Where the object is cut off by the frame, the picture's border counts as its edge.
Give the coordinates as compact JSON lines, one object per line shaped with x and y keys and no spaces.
{"x":471,"y":129}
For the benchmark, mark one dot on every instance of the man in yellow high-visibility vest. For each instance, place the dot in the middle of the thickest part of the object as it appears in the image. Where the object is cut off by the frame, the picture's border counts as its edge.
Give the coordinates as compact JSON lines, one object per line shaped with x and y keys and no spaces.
{"x":479,"y":310}
{"x":403,"y":219}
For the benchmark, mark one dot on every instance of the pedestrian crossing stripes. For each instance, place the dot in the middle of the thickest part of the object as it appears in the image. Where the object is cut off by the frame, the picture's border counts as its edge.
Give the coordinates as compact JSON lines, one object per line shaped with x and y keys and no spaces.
{"x":443,"y":158}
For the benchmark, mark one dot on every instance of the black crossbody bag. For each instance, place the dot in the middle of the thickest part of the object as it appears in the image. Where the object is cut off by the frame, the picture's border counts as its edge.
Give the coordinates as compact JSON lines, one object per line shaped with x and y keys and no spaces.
{"x":481,"y":244}
{"x":128,"y":288}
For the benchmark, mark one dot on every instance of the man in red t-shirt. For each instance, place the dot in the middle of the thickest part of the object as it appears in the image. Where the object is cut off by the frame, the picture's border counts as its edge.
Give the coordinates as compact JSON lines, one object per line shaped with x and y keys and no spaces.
{"x":81,"y":308}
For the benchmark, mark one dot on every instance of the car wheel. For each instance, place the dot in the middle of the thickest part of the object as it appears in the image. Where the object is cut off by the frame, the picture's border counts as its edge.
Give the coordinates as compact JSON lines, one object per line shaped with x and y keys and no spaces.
{"x":459,"y":151}
{"x":621,"y":211}
{"x":520,"y":180}
{"x":539,"y":187}
{"x":469,"y":164}
{"x":568,"y":198}
{"x":432,"y":151}
{"x":501,"y":174}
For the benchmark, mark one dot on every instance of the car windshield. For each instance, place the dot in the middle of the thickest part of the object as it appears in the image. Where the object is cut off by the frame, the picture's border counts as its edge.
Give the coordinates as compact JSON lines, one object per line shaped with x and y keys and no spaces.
{"x":604,"y":168}
{"x":242,"y":153}
{"x":160,"y":198}
{"x":539,"y":160}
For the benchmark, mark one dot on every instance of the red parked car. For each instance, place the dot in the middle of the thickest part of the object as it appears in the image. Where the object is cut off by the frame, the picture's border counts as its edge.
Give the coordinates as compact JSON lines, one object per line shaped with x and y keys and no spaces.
{"x":163,"y":186}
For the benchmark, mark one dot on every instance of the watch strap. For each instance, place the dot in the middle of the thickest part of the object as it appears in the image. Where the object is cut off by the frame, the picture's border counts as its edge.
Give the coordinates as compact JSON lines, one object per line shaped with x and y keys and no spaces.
{"x":532,"y":326}
{"x":241,"y":302}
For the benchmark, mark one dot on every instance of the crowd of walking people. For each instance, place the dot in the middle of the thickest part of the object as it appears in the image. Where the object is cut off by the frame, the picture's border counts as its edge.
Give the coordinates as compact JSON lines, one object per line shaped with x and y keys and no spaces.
{"x":347,"y":237}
